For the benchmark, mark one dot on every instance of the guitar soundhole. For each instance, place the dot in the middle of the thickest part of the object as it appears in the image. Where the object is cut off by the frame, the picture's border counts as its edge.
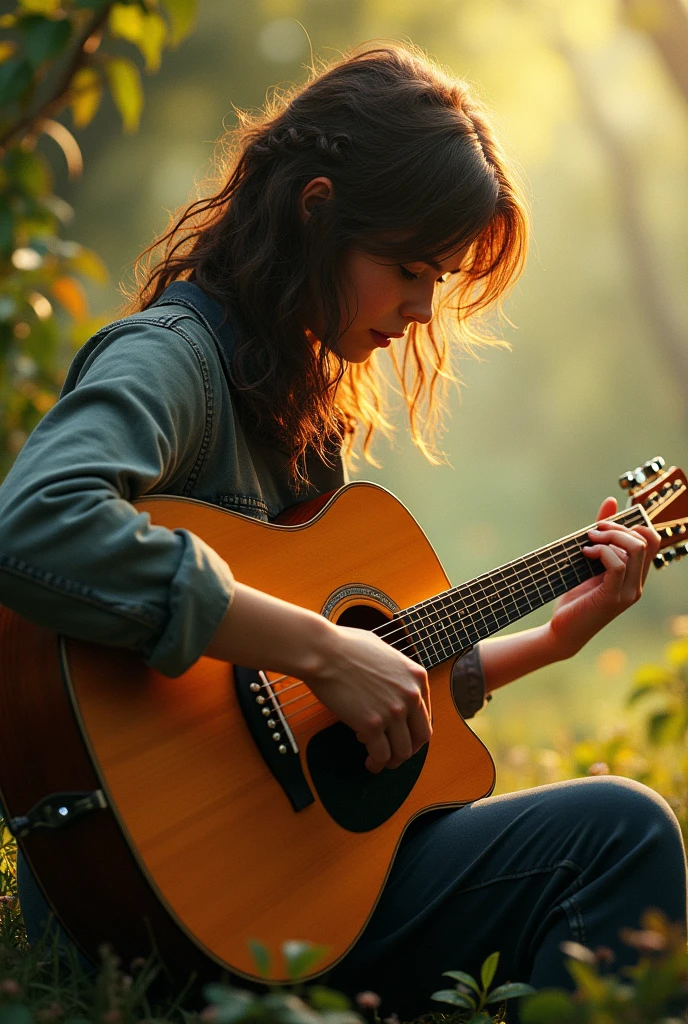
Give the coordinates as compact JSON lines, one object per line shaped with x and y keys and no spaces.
{"x":362,"y":616}
{"x":355,"y":798}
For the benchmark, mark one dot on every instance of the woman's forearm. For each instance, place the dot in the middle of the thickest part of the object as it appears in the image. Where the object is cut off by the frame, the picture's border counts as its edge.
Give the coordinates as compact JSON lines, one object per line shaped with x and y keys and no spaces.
{"x":505,"y":658}
{"x":264,"y":632}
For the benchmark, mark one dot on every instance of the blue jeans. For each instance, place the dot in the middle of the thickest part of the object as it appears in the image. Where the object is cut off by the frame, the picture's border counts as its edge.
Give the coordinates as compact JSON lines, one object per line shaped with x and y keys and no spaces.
{"x":520,"y":874}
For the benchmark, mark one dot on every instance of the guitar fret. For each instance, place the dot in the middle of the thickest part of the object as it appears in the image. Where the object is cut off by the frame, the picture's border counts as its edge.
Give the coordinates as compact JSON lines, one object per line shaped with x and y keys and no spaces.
{"x":452,"y":621}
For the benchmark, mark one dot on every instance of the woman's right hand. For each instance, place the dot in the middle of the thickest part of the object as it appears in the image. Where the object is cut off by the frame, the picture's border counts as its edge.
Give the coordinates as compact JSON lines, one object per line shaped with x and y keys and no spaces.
{"x":373,"y":688}
{"x":377,"y":691}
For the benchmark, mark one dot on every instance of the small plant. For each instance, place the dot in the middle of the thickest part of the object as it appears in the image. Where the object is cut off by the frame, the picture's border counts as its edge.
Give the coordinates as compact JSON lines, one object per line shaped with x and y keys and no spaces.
{"x":654,"y":991}
{"x":468,"y":994}
{"x":667,"y":721}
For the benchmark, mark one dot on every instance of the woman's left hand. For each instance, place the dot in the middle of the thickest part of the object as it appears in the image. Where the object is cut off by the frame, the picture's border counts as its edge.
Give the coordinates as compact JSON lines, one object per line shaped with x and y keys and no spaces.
{"x":627,"y":556}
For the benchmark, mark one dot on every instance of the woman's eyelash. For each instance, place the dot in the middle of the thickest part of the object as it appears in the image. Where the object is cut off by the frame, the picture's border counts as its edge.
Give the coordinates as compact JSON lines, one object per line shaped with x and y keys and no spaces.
{"x":410,"y":276}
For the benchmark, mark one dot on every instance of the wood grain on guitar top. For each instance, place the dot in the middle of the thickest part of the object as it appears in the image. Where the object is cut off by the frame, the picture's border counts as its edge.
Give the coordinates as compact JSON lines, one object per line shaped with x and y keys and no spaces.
{"x":210,"y":825}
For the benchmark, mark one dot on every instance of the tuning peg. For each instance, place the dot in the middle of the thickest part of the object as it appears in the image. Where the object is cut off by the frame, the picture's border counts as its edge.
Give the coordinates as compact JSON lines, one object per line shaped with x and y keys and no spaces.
{"x":659,"y":561}
{"x":654,"y":466}
{"x":681,"y":550}
{"x":628,"y":481}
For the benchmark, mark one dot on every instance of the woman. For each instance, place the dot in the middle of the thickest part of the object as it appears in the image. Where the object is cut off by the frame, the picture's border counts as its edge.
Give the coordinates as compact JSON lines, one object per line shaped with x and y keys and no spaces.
{"x":371,"y":209}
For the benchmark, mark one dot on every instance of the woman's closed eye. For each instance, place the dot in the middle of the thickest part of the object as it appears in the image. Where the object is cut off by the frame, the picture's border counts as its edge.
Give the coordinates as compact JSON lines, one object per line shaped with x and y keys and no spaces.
{"x":408,"y":275}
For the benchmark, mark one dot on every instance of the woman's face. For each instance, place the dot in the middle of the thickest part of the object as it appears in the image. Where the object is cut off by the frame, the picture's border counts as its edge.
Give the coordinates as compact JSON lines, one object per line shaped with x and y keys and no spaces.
{"x":385,"y":299}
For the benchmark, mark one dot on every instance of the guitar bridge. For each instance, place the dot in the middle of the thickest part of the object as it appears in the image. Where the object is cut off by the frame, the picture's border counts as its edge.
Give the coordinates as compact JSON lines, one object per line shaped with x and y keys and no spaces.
{"x":266,"y":722}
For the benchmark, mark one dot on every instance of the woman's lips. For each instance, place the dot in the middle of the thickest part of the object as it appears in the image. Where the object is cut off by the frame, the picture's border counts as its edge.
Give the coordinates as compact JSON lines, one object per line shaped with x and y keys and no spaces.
{"x":381,"y":340}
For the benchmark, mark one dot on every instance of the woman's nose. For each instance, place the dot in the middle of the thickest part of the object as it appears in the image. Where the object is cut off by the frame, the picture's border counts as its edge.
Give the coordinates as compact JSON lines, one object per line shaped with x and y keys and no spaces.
{"x":418,"y":309}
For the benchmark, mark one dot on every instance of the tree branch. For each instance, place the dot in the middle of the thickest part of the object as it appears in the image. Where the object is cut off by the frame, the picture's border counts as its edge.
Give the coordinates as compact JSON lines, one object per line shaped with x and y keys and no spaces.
{"x":53,"y":104}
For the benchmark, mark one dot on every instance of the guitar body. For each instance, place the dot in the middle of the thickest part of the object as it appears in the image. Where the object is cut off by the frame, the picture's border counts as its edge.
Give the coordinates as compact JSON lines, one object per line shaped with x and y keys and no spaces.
{"x":200,"y":843}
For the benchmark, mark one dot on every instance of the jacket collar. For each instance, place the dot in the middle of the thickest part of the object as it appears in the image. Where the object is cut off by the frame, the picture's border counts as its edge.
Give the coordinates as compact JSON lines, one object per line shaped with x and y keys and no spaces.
{"x":213,"y":315}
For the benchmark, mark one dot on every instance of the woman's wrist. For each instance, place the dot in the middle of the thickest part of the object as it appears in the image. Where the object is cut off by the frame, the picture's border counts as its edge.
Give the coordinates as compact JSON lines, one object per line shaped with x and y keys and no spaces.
{"x":261,"y":631}
{"x":505,"y":658}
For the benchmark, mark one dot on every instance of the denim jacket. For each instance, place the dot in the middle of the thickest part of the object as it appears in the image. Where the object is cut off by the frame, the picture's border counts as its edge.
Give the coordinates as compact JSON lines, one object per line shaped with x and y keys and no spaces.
{"x":146,"y":408}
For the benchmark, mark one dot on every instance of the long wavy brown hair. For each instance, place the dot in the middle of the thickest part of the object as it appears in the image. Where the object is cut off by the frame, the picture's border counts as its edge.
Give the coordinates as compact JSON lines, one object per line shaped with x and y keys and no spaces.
{"x":417,"y":174}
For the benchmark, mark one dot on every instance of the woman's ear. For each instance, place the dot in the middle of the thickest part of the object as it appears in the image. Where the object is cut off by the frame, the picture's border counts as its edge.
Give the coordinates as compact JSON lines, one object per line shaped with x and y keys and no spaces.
{"x":316,"y":192}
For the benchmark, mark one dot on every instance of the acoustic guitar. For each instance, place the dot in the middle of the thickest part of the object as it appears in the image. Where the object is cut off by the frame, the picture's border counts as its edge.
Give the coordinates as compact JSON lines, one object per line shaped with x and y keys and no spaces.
{"x":229,"y":804}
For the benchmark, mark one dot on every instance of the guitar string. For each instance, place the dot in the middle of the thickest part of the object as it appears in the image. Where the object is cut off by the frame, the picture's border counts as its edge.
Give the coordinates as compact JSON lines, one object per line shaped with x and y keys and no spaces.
{"x":299,"y":711}
{"x":438,"y":604}
{"x":299,"y":729}
{"x":323,"y":708}
{"x":479,"y":602}
{"x":546,"y":573}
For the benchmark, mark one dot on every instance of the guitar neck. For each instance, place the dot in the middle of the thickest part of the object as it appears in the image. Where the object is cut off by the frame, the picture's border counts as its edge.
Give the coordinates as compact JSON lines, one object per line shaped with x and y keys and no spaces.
{"x":452,"y":622}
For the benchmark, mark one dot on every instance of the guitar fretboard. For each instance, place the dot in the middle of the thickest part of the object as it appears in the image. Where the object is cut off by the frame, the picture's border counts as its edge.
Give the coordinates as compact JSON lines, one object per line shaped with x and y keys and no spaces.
{"x":443,"y":626}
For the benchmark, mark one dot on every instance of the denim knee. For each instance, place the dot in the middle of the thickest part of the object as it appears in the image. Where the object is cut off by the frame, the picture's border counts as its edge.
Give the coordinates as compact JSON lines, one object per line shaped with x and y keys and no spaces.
{"x":631,"y":808}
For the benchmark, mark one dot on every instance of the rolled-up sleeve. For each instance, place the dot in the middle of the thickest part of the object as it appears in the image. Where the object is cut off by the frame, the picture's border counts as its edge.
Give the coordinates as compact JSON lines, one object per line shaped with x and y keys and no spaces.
{"x":468,"y":684}
{"x":75,"y":555}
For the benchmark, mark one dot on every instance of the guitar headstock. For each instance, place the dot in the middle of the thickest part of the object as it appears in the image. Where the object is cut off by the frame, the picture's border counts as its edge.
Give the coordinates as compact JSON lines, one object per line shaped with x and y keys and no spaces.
{"x":663,"y":493}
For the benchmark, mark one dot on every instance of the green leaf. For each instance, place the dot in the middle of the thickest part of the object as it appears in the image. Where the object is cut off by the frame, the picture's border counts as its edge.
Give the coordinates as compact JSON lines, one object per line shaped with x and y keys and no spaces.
{"x":487,"y":971}
{"x":146,"y":29}
{"x":324,"y":999}
{"x":86,"y":91}
{"x":7,"y":50}
{"x":512,"y":990}
{"x":652,"y":677}
{"x":450,"y":995}
{"x":465,"y":979}
{"x":229,"y":1004}
{"x":16,"y":76}
{"x":44,"y":38}
{"x":29,"y":173}
{"x":300,"y":956}
{"x":642,"y":691}
{"x":39,"y":6}
{"x":261,"y":957}
{"x":661,"y":727}
{"x":89,"y":264}
{"x":182,"y":15}
{"x":549,"y":1006}
{"x":125,"y":86}
{"x":587,"y":979}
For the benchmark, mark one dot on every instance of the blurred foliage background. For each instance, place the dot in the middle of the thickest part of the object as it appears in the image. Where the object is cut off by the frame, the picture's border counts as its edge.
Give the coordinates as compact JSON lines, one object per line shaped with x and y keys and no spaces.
{"x":591,"y":98}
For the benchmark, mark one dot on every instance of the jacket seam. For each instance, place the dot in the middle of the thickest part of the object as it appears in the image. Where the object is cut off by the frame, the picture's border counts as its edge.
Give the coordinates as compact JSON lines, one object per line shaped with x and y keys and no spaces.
{"x":246,"y":500}
{"x":209,"y":410}
{"x":80,"y":591}
{"x":171,"y":322}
